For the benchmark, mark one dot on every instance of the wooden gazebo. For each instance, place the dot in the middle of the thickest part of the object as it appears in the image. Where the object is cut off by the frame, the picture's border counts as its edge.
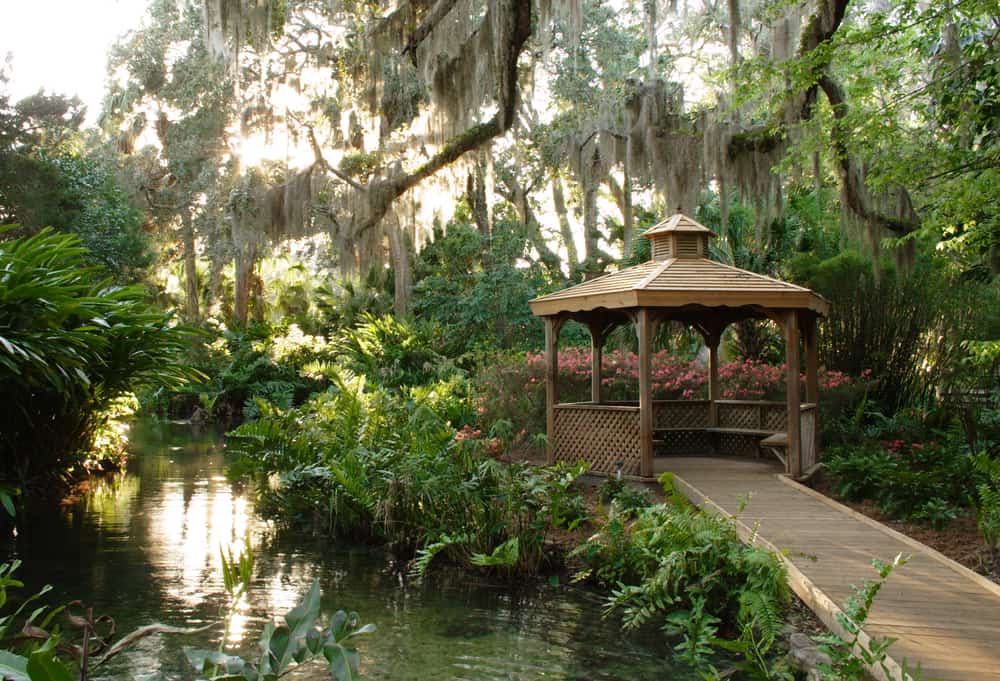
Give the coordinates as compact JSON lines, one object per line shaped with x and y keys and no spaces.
{"x":680,"y":283}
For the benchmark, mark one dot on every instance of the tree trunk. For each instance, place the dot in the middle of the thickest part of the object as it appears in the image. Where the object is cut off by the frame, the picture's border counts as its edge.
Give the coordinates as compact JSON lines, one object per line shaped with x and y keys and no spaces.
{"x":734,"y":49}
{"x":591,"y":234}
{"x":623,"y":197}
{"x":518,"y":197}
{"x":191,"y":303}
{"x":565,"y":229}
{"x":400,"y":247}
{"x":246,"y":262}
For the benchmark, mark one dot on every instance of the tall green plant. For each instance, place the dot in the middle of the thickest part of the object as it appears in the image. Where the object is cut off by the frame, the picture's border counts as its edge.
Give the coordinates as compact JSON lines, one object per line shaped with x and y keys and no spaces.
{"x":71,"y":343}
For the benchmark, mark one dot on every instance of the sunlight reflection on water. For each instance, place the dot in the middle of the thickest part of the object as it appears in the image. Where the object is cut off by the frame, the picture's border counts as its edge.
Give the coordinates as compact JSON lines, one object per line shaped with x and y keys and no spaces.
{"x":145,"y":547}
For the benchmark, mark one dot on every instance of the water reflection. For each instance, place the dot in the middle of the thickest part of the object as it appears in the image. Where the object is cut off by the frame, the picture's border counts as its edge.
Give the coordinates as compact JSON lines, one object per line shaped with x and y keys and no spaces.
{"x":144,"y":547}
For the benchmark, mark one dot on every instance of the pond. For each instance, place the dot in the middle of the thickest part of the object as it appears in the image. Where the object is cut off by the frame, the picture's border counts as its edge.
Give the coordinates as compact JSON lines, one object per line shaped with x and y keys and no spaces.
{"x":144,"y":547}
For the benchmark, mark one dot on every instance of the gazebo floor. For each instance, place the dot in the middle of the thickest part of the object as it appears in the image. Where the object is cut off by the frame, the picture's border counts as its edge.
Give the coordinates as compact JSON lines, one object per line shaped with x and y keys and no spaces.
{"x":945,"y":617}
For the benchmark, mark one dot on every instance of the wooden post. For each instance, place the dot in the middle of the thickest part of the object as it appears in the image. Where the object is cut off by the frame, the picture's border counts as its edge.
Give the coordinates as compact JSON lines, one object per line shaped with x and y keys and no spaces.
{"x":552,"y":326}
{"x":644,"y":329}
{"x":808,"y":323}
{"x":713,"y":380}
{"x":812,"y":387}
{"x":596,"y":351}
{"x":793,"y":398}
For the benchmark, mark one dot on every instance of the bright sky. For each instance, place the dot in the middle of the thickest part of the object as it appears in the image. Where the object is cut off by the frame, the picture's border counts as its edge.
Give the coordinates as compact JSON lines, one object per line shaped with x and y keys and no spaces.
{"x":62,"y":45}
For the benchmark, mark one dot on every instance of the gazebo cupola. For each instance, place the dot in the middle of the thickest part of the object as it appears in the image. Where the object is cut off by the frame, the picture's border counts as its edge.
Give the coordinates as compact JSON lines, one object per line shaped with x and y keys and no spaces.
{"x":679,"y":237}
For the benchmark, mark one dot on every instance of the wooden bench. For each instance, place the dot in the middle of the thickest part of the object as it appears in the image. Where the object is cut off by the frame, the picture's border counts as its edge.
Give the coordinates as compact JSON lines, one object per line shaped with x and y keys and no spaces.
{"x":777,"y":444}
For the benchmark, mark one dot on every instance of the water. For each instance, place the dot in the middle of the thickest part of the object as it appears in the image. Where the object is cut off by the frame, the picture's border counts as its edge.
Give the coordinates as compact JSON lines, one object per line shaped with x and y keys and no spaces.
{"x":144,"y":548}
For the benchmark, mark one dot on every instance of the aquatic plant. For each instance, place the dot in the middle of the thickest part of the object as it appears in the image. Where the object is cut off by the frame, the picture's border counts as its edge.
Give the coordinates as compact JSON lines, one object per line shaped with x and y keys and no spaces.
{"x":300,"y":640}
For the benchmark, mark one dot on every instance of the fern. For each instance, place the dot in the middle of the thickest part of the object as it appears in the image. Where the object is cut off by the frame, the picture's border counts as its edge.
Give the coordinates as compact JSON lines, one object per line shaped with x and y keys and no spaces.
{"x":505,"y":555}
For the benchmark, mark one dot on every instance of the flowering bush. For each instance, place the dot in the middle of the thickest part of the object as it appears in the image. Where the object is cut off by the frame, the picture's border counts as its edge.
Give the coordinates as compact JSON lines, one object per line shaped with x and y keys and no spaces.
{"x":512,"y":387}
{"x":671,"y":377}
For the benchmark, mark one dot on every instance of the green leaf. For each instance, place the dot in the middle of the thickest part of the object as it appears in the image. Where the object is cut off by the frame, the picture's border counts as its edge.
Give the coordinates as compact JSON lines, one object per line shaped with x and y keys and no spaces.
{"x":205,"y":660}
{"x":43,"y":666}
{"x":343,"y":662}
{"x":13,"y":667}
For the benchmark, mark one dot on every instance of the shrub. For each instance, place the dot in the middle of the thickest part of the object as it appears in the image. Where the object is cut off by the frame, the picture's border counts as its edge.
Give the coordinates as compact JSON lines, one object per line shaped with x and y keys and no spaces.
{"x":71,"y":344}
{"x":988,"y":501}
{"x":627,"y":496}
{"x":261,"y":362}
{"x":922,"y":481}
{"x":691,"y":571}
{"x":359,"y":461}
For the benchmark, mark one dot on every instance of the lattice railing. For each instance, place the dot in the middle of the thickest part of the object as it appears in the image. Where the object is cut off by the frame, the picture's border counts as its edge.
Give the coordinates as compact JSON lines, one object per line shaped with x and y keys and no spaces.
{"x":604,"y":434}
{"x":600,"y":434}
{"x":680,"y":413}
{"x":748,"y":415}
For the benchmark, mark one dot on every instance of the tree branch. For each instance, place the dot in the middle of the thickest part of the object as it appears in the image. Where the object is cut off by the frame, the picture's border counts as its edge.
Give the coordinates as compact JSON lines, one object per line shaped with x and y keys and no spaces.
{"x":430,"y":21}
{"x":517,"y":15}
{"x":855,"y":193}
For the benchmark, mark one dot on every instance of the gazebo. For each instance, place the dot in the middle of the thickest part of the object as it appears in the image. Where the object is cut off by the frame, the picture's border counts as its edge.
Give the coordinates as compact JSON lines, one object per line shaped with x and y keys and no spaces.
{"x":680,"y":283}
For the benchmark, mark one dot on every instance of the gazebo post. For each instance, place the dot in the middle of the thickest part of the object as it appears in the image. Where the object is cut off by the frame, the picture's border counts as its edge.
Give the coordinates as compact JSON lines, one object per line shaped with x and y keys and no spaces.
{"x":808,"y":323}
{"x":644,"y":329}
{"x":596,"y":350}
{"x":792,"y":394}
{"x":552,"y":326}
{"x":712,"y":335}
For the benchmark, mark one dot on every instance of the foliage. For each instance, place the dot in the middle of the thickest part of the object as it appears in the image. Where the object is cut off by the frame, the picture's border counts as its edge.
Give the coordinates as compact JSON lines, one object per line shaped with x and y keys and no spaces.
{"x":72,"y":343}
{"x":907,"y":331}
{"x":851,"y":658}
{"x":243,"y":366}
{"x":33,"y":647}
{"x":48,"y":178}
{"x":988,"y":503}
{"x":358,"y":461}
{"x":474,"y":289}
{"x":627,"y":496}
{"x":300,"y":640}
{"x":688,"y":569}
{"x":921,"y":480}
{"x":393,"y":353}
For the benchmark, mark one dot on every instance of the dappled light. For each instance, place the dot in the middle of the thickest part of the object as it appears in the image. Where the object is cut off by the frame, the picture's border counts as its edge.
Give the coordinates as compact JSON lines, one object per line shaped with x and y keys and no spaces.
{"x":499,"y":339}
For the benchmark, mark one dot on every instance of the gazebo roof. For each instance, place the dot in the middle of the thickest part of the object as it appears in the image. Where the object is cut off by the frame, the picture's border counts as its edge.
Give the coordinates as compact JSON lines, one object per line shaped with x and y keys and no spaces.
{"x":682,"y":281}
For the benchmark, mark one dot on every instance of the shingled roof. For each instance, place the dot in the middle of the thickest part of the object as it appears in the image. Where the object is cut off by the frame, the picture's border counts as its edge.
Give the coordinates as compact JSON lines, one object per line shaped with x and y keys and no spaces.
{"x":684,"y":280}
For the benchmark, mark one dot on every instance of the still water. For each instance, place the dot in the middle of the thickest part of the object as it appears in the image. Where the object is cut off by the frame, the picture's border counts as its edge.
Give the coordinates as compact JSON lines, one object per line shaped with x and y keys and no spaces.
{"x":144,"y":548}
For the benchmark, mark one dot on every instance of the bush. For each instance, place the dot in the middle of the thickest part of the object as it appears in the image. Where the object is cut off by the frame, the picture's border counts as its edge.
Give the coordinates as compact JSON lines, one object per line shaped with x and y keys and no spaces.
{"x":988,"y":501}
{"x":358,"y":461}
{"x":628,"y":497}
{"x":689,"y":570}
{"x":71,"y":344}
{"x":260,"y":362}
{"x":923,"y":481}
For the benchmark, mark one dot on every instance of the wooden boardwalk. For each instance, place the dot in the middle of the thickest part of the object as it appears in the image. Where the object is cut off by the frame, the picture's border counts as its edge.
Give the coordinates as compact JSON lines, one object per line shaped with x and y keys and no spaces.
{"x":946,"y":618}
